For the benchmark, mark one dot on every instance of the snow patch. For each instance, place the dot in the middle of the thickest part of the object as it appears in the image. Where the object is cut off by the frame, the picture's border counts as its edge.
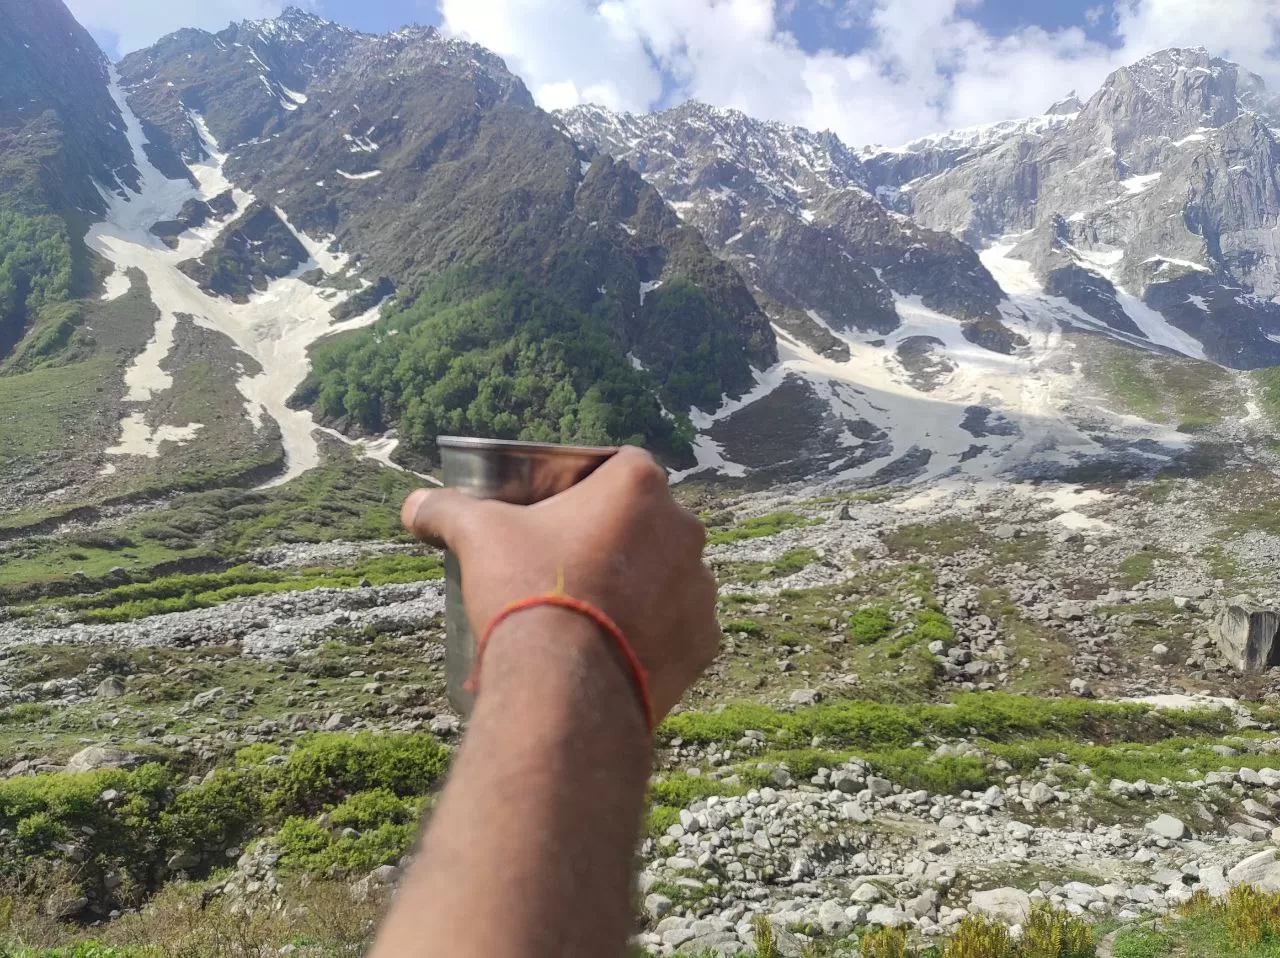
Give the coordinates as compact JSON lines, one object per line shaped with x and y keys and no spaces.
{"x":1171,"y":261}
{"x":1138,"y":184}
{"x":359,"y":176}
{"x":139,"y":439}
{"x":275,"y":327}
{"x":647,"y":288}
{"x":116,"y":285}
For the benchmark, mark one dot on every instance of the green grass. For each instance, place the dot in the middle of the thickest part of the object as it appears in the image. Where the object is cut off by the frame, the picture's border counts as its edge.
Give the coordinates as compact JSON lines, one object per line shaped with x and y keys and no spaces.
{"x":1142,"y":943}
{"x":789,"y":563}
{"x":40,"y":407}
{"x":759,"y":527}
{"x":1195,"y":397}
{"x":1134,"y":569}
{"x":1268,"y":385}
{"x":870,"y":624}
{"x":990,"y":715}
{"x":361,"y":775}
{"x":921,"y":540}
{"x":179,"y":593}
{"x":346,"y":498}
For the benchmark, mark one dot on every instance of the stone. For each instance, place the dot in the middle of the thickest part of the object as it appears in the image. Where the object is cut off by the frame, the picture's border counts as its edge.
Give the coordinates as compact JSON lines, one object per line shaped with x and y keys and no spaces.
{"x":336,"y":721}
{"x":445,"y":725}
{"x":1252,"y":869}
{"x":1070,"y":611}
{"x":100,"y":756}
{"x":1269,"y":882}
{"x":1166,"y":826}
{"x":1041,"y":794}
{"x":182,"y":861}
{"x":806,"y":697}
{"x":1246,"y":637}
{"x":384,"y":875}
{"x":832,"y":918}
{"x":888,"y":916}
{"x":1010,"y":905}
{"x":112,"y":687}
{"x":866,"y":893}
{"x":880,"y":787}
{"x":1247,"y":776}
{"x":923,"y":905}
{"x":207,"y":697}
{"x":854,"y":812}
{"x":657,"y":906}
{"x":58,"y":906}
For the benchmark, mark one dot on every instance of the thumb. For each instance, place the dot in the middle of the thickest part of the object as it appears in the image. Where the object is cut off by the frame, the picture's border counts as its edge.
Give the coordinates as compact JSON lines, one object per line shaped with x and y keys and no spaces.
{"x":440,"y":517}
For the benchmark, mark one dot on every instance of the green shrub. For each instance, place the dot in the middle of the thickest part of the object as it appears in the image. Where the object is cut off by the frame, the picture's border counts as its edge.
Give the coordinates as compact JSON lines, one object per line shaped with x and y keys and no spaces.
{"x":326,"y":768}
{"x":373,"y":783}
{"x":309,"y":847}
{"x":885,"y":943}
{"x":919,"y":768}
{"x":749,"y":626}
{"x":370,"y":809}
{"x":220,"y":811}
{"x":993,"y":715}
{"x":1052,"y":933}
{"x":870,"y":624}
{"x":488,"y":356}
{"x":931,"y":626}
{"x":680,"y":790}
{"x":980,"y":937}
{"x":661,"y":817}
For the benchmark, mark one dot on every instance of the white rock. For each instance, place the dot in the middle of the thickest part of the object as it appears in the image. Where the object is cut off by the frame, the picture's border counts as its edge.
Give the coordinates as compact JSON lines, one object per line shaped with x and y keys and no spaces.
{"x":1010,"y":905}
{"x":888,"y":916}
{"x":1166,"y":826}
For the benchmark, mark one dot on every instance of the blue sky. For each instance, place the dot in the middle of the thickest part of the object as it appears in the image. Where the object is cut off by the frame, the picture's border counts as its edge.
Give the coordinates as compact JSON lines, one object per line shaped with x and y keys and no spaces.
{"x":815,"y":24}
{"x":880,"y":71}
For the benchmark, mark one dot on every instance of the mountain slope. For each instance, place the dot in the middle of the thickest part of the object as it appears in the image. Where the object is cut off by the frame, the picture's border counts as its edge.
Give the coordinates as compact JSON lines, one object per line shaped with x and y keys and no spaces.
{"x":278,"y":182}
{"x":424,"y":154}
{"x":1161,"y":191}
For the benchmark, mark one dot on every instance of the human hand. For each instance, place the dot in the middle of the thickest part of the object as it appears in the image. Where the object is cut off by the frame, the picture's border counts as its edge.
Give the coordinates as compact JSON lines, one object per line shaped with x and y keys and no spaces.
{"x":622,"y":543}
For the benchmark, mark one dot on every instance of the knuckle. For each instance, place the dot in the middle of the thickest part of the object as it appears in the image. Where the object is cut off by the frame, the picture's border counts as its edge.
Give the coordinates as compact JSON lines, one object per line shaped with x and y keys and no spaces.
{"x":643,"y":470}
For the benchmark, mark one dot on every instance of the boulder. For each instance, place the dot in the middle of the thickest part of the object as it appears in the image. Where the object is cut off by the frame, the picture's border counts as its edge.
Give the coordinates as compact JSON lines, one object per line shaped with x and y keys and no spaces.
{"x":1253,"y":869}
{"x":100,"y":756}
{"x":208,"y":697}
{"x":889,"y":916}
{"x":112,"y":687}
{"x":1247,"y":637}
{"x":657,"y":906}
{"x":1010,"y":905}
{"x":1166,"y":826}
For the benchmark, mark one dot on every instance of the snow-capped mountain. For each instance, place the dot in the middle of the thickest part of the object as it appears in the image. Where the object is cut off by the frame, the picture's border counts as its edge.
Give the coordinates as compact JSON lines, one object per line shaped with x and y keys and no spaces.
{"x":1162,"y":188}
{"x":1147,"y":214}
{"x":384,"y":237}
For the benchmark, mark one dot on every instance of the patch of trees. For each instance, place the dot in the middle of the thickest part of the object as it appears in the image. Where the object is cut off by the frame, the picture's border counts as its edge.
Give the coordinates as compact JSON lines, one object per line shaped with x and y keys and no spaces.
{"x":35,"y":270}
{"x":489,"y":357}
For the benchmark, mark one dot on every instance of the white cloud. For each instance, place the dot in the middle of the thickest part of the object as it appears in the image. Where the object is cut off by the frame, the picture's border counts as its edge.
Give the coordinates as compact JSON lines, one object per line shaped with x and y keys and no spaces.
{"x":931,"y":65}
{"x":138,"y":23}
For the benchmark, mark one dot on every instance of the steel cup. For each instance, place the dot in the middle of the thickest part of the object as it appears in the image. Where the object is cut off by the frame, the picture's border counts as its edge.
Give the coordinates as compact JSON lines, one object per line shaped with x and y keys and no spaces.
{"x":520,"y":473}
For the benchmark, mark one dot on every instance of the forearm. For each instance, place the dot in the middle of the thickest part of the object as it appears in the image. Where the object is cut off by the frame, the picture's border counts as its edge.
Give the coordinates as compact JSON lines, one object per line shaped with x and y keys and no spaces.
{"x":529,"y":852}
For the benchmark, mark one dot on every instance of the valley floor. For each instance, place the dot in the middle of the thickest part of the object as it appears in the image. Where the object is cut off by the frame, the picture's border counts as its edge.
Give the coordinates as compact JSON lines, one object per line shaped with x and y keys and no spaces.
{"x":932,"y":702}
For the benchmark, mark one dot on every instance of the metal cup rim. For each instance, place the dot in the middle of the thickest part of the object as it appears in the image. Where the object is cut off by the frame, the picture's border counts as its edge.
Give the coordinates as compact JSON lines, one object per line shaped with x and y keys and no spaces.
{"x":515,"y":446}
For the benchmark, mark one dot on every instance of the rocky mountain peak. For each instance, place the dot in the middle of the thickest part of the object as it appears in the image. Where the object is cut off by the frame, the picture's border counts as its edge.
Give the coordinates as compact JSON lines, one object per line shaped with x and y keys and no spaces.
{"x":1175,"y":93}
{"x":1067,"y":105}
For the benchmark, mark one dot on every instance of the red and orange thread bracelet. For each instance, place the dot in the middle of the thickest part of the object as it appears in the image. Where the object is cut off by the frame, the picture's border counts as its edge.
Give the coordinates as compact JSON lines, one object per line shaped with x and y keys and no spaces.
{"x":559,"y":599}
